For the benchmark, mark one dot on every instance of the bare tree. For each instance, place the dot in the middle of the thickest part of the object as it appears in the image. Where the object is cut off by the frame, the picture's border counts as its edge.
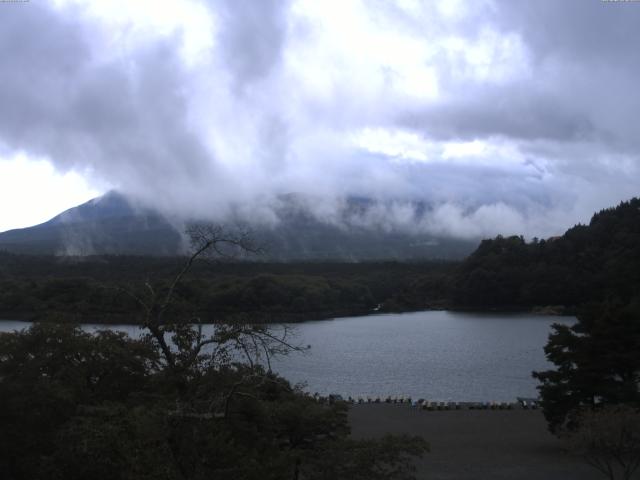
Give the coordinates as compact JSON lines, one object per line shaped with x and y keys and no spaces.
{"x":183,"y":343}
{"x":608,"y":438}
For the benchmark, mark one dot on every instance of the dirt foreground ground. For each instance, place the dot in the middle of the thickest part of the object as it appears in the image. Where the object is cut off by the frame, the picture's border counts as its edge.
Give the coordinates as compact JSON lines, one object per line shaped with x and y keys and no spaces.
{"x":476,"y":444}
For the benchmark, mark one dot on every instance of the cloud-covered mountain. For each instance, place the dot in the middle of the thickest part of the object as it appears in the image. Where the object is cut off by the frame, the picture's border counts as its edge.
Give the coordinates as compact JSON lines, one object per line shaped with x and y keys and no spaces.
{"x":109,"y":224}
{"x":509,"y":116}
{"x":115,"y":224}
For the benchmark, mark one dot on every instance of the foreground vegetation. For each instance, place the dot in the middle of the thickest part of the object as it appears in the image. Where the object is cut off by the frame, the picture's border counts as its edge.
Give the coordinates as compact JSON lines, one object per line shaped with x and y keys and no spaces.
{"x":592,"y":396}
{"x":597,"y":364}
{"x":104,"y":406}
{"x":176,"y":404}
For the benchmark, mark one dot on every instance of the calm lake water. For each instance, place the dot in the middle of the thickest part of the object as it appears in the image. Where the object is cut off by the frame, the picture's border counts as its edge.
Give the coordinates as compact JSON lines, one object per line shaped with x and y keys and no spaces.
{"x":435,"y":355}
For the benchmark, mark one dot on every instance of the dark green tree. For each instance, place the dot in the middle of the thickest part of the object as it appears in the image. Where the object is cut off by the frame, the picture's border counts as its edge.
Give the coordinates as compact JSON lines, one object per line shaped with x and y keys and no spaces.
{"x":597,"y":364}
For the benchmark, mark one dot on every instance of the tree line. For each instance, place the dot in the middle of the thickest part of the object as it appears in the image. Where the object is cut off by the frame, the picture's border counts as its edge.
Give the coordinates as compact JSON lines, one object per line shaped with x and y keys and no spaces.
{"x":588,"y":263}
{"x":92,"y":289}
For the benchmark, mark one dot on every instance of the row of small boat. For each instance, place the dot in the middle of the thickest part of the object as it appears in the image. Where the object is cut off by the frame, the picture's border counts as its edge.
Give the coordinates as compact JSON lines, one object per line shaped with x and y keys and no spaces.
{"x":423,"y":404}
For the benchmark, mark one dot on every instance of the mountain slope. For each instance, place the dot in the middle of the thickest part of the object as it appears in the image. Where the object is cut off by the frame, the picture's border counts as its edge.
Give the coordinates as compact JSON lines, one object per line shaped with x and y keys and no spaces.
{"x":105,"y":225}
{"x":112,"y":225}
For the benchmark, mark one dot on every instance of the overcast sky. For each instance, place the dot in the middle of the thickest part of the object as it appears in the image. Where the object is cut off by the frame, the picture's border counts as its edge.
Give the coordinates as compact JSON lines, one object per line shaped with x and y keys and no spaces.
{"x":507,"y":116}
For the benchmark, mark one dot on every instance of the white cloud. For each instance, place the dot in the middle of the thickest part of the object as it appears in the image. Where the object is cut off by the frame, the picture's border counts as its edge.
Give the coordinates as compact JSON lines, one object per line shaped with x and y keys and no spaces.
{"x":32,"y":192}
{"x":452,"y":220}
{"x":504,"y":115}
{"x":397,"y":144}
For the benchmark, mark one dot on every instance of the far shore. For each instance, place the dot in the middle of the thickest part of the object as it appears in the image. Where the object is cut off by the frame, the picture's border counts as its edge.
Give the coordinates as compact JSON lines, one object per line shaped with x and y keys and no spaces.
{"x":475,"y":444}
{"x":266,"y":318}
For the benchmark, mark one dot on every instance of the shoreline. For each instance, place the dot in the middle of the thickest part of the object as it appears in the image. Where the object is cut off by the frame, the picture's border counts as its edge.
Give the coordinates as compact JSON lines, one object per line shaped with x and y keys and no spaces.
{"x":276,"y":318}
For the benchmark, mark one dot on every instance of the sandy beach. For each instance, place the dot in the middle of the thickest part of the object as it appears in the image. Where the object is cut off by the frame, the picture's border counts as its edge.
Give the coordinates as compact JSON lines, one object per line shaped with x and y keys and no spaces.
{"x":476,"y":444}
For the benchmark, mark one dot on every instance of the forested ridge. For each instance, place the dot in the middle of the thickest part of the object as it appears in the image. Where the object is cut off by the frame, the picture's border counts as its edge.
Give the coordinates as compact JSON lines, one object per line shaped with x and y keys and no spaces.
{"x":588,"y":263}
{"x":591,"y":398}
{"x":93,"y":288}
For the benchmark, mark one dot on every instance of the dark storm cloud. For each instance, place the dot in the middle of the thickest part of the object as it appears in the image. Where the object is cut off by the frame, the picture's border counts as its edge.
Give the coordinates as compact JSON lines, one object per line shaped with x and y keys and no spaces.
{"x":125,"y":118}
{"x":517,"y":112}
{"x":35,"y":67}
{"x":551,"y":86}
{"x":587,"y":52}
{"x":582,"y":85}
{"x":578,"y":30}
{"x":253,"y":35}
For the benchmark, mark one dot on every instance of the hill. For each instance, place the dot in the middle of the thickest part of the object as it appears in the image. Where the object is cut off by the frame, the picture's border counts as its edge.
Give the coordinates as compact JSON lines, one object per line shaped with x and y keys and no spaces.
{"x":589,"y":263}
{"x":109,"y":224}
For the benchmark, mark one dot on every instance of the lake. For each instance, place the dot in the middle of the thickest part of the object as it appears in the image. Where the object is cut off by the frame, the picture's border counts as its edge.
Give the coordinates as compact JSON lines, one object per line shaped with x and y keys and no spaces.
{"x":438,"y":355}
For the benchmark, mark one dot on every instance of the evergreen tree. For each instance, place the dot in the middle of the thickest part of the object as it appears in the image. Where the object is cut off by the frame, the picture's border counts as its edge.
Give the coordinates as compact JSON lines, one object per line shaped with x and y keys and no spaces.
{"x":597,"y":364}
